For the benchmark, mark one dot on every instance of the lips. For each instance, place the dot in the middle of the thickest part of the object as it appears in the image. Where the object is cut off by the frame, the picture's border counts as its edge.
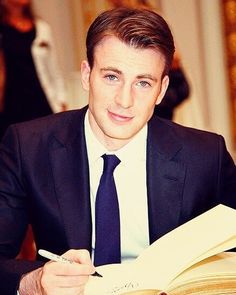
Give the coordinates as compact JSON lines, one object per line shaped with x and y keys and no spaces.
{"x":119,"y":118}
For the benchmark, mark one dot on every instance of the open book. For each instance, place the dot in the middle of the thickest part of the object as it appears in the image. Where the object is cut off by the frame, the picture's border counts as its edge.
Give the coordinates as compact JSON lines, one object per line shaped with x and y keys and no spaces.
{"x":188,"y":260}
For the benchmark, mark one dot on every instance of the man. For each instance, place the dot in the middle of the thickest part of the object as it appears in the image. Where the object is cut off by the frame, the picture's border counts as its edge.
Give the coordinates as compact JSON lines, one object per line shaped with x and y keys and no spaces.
{"x":50,"y":168}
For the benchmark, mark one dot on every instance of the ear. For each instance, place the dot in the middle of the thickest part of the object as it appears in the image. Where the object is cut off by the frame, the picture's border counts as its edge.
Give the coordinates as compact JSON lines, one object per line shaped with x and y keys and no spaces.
{"x":164,"y":85}
{"x":85,"y":74}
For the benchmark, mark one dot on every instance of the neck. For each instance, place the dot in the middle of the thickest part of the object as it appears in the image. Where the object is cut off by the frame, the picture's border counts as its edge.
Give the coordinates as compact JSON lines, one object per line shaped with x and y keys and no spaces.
{"x":114,"y":144}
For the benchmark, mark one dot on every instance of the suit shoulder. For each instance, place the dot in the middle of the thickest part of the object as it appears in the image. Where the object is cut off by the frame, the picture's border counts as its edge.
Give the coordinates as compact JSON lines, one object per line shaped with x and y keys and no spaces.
{"x":190,"y":133}
{"x":51,"y":122}
{"x":64,"y":123}
{"x":169,"y":134}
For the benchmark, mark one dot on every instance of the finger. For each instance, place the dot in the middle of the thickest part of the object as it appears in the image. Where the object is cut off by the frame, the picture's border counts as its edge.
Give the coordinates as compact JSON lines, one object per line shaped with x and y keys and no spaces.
{"x":64,"y":281}
{"x":80,"y":256}
{"x":51,"y":282}
{"x":64,"y":291}
{"x":67,"y":269}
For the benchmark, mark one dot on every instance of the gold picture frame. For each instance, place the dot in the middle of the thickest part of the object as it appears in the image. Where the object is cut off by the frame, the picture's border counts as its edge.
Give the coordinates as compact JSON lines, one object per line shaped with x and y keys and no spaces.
{"x":229,"y":26}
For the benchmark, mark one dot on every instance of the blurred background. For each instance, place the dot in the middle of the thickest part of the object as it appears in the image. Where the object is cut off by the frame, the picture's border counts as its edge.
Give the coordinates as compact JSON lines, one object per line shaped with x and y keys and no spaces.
{"x":205,"y":35}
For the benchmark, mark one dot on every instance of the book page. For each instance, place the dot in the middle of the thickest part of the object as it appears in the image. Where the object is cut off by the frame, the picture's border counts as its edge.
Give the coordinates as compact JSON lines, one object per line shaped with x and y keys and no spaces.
{"x":208,"y":234}
{"x":117,"y":279}
{"x":220,"y":267}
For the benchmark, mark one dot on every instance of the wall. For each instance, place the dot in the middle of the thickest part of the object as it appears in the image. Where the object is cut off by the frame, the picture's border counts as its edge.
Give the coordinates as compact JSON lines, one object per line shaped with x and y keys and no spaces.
{"x":198,"y":30}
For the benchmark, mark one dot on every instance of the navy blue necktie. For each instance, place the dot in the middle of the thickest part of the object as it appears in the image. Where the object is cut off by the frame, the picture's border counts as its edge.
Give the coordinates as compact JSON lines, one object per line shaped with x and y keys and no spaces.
{"x":107,"y":217}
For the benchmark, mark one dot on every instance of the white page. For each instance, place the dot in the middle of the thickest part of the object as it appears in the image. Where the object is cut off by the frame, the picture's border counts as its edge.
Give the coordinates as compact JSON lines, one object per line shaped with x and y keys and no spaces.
{"x":188,"y":244}
{"x":223,"y":264}
{"x":162,"y":261}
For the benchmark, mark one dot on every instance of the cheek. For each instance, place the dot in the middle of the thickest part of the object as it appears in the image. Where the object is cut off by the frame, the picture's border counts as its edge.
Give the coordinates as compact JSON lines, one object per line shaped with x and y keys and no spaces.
{"x":100,"y":90}
{"x":98,"y":101}
{"x":145,"y":110}
{"x":146,"y":101}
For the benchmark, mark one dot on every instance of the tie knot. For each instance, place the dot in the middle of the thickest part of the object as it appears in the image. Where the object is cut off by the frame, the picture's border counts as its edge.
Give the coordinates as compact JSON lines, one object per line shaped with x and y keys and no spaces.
{"x":110,"y":163}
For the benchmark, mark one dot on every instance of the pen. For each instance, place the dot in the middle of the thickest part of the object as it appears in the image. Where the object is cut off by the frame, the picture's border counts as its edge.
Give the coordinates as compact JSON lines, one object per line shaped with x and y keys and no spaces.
{"x":58,"y":258}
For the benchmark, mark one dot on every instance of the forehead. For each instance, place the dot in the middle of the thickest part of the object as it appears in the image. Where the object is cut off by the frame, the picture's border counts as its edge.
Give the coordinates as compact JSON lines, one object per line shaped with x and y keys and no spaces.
{"x":111,"y":52}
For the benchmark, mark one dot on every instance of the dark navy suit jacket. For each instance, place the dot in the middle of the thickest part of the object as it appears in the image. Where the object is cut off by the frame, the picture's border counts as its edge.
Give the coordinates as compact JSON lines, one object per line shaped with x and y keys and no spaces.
{"x":44,"y":180}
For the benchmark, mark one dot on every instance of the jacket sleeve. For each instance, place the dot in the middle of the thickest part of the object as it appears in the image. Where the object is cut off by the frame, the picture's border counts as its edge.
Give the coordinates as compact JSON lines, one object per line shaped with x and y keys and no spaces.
{"x":13,"y":215}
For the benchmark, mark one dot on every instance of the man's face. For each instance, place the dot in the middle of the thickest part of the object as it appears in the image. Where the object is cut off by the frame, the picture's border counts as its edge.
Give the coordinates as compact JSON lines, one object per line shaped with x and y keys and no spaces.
{"x":124,"y":85}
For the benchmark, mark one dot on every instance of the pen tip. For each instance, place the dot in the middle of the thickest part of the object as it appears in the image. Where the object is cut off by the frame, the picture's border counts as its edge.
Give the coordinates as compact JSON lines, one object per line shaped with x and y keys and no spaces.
{"x":96,"y":274}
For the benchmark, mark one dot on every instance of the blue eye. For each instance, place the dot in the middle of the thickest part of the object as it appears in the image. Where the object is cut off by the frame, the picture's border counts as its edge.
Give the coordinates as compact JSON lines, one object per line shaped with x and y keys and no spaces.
{"x":111,"y":77}
{"x":144,"y":84}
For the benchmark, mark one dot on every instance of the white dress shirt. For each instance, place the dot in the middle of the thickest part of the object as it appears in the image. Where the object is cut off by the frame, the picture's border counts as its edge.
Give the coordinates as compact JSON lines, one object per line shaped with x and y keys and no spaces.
{"x":130,"y":179}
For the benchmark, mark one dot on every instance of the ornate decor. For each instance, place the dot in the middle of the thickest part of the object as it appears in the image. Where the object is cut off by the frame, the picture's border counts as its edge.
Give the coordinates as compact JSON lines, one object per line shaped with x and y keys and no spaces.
{"x":229,"y":18}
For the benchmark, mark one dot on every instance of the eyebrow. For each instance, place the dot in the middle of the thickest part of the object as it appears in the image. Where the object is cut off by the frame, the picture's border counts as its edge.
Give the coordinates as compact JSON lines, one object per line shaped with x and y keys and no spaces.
{"x":141,"y":76}
{"x":147,"y":76}
{"x":111,"y":69}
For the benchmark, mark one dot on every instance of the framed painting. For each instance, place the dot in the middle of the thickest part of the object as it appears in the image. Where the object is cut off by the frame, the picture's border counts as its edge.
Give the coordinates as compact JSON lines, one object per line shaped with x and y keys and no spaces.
{"x":229,"y":24}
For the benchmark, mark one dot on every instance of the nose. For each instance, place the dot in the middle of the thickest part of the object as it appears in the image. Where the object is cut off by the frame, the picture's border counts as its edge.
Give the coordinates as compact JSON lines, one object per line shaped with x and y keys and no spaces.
{"x":124,"y":97}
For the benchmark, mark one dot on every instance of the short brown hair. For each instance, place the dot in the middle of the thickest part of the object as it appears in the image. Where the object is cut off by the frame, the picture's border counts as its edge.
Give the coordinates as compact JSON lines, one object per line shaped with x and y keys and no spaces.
{"x":140,"y":28}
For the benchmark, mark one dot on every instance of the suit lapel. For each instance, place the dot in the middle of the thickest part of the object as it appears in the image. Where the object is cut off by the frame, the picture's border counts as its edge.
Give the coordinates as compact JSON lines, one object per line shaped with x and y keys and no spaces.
{"x":165,"y":178}
{"x":71,"y":178}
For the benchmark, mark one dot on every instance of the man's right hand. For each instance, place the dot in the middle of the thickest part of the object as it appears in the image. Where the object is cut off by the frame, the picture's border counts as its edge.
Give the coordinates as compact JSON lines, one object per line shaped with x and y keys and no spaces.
{"x":59,"y":278}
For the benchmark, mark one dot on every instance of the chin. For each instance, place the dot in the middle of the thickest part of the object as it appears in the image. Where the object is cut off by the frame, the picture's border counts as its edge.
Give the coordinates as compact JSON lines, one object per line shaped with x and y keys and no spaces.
{"x":120,"y":135}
